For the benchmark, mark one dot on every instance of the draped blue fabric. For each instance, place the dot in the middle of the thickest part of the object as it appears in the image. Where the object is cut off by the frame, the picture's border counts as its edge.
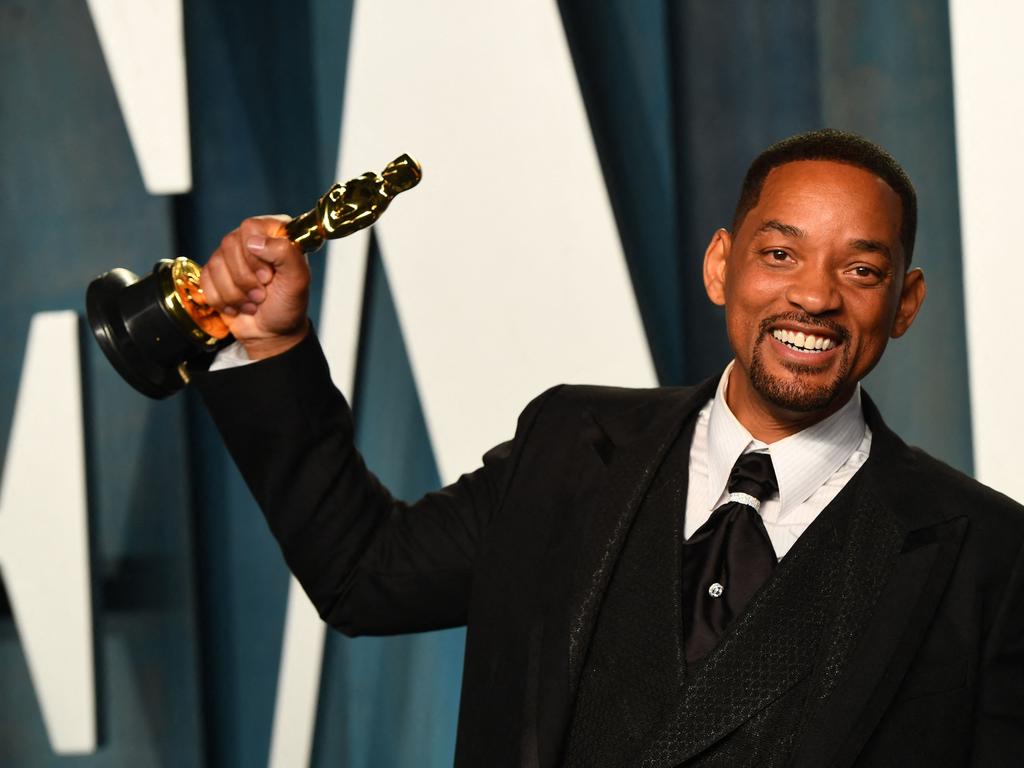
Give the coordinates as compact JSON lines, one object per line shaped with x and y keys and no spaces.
{"x":191,"y":587}
{"x":682,"y":95}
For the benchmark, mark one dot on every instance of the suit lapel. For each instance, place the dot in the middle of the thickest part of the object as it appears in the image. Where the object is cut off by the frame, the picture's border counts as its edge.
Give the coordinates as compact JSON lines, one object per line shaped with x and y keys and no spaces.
{"x":842,"y":724}
{"x":625,"y":452}
{"x":622,"y":453}
{"x":927,"y":548}
{"x":623,"y":462}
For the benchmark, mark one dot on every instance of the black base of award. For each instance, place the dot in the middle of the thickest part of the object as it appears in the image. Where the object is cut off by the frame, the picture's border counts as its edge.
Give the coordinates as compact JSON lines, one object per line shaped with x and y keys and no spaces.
{"x":134,"y":325}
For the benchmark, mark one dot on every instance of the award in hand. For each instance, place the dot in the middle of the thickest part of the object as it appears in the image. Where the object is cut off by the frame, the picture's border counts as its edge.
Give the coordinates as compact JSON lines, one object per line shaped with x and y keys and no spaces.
{"x":152,"y":328}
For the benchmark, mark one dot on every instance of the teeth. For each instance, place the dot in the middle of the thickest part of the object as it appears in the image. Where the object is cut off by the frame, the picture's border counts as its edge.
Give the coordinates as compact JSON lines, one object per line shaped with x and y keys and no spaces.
{"x":805,"y":342}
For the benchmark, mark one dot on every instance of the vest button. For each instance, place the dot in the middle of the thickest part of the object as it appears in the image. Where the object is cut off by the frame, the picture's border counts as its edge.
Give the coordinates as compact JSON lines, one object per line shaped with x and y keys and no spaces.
{"x":716,"y":590}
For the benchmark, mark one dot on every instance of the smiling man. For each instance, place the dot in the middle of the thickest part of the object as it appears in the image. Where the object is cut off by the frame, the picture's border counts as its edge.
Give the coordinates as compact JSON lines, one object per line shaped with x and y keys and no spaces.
{"x":814,"y":280}
{"x":753,"y":571}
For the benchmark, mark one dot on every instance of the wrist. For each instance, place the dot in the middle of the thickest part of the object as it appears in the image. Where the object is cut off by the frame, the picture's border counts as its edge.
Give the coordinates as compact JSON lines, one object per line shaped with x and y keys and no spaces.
{"x":271,"y":346}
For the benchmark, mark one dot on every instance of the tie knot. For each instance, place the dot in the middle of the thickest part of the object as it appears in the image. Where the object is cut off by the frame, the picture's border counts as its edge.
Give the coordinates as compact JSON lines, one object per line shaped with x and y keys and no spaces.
{"x":753,"y":474}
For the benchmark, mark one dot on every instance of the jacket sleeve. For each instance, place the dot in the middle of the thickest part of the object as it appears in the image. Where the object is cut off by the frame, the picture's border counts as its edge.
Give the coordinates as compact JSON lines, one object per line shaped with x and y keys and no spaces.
{"x":371,"y":564}
{"x":999,"y":727}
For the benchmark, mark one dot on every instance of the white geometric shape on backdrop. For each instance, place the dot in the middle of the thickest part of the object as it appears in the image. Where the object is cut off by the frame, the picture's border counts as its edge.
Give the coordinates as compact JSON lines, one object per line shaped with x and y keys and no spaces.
{"x":44,"y":536}
{"x":298,"y":682}
{"x":505,"y":263}
{"x":144,"y":46}
{"x":987,"y":61}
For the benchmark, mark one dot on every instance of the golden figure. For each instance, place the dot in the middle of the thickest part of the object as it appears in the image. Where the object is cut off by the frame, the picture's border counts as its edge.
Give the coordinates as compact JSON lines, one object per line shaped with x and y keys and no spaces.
{"x":342,"y":210}
{"x":349,"y":207}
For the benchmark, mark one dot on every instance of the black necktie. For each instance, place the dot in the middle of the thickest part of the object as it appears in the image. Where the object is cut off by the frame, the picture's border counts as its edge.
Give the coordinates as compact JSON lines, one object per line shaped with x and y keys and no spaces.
{"x":729,"y":557}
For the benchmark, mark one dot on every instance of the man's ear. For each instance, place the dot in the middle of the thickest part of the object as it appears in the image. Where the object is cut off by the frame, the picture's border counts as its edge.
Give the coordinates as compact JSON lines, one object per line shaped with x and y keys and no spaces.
{"x":714,"y":266}
{"x":911,"y":298}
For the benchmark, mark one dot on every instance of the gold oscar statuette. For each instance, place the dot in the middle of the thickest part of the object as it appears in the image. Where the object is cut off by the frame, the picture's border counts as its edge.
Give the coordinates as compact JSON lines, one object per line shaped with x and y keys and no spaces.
{"x":151,"y":329}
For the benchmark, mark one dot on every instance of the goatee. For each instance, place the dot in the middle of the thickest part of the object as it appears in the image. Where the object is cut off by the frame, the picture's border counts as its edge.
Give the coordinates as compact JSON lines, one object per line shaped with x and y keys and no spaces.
{"x":796,"y":393}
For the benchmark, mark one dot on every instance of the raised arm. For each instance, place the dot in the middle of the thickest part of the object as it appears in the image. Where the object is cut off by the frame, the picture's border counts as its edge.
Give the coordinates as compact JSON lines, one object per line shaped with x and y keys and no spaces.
{"x":370,"y":563}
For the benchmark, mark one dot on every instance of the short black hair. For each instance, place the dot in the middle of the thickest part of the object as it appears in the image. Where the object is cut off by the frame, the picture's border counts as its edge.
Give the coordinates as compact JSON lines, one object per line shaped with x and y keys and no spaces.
{"x":839,"y":147}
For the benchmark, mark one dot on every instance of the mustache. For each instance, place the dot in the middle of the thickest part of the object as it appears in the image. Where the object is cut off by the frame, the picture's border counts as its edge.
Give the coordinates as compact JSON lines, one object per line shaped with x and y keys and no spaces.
{"x":804,"y":319}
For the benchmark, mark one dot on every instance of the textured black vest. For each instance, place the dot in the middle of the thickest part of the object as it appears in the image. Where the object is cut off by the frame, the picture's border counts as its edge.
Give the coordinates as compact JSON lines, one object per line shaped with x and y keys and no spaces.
{"x":746,"y":702}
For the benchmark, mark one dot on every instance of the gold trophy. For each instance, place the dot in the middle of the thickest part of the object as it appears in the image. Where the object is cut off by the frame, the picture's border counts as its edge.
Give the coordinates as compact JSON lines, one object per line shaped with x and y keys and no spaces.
{"x":152,"y":329}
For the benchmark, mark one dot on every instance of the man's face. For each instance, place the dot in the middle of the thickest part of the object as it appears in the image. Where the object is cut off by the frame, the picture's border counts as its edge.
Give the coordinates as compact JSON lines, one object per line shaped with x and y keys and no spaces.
{"x":814,"y":285}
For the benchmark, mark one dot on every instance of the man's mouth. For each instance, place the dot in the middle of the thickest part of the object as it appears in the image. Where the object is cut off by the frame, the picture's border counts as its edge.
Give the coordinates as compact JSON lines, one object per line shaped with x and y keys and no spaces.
{"x":804,"y":342}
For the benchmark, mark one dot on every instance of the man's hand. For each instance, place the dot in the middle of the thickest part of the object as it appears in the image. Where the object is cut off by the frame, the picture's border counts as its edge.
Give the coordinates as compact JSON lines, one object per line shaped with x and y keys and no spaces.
{"x":259,"y":282}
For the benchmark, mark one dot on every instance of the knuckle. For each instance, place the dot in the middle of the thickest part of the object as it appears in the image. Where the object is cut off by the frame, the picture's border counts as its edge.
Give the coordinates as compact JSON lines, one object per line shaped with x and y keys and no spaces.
{"x":224,"y":286}
{"x":231,"y":295}
{"x":206,"y":276}
{"x":211,"y":263}
{"x":241,"y":272}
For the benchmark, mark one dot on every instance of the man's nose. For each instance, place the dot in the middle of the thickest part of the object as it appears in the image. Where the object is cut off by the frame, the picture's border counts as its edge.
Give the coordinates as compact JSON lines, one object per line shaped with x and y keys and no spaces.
{"x":815,"y":290}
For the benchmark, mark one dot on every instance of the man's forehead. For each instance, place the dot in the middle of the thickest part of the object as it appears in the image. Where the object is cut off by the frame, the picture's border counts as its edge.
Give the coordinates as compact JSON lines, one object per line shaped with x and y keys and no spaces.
{"x":794,"y":170}
{"x":826,"y":173}
{"x":817,"y":183}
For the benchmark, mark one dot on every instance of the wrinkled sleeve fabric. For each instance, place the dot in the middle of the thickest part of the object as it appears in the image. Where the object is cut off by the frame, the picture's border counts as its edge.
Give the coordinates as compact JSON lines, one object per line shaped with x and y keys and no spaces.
{"x":371,"y":564}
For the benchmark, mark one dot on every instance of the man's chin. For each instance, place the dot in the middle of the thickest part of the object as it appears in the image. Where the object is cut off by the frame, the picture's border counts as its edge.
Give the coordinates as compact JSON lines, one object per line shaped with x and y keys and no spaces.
{"x":795,"y":396}
{"x":799,"y":389}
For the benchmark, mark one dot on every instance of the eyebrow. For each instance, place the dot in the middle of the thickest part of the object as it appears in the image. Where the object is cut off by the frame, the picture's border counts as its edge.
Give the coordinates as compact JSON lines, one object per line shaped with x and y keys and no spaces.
{"x":872,"y":246}
{"x":774,"y":225}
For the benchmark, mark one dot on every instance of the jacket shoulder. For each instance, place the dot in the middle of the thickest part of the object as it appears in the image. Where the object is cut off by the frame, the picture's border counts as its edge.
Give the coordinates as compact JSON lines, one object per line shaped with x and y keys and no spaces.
{"x":924,"y":489}
{"x":607,"y":401}
{"x":958,"y":493}
{"x":562,"y":415}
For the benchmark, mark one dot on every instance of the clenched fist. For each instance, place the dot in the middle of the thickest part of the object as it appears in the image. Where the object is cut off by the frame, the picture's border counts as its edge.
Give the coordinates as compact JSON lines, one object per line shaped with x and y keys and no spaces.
{"x":258,"y":280}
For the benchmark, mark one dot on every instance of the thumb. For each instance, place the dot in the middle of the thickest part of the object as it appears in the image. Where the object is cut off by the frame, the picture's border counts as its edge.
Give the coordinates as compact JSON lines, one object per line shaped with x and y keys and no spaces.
{"x":279,"y":253}
{"x":270,"y":251}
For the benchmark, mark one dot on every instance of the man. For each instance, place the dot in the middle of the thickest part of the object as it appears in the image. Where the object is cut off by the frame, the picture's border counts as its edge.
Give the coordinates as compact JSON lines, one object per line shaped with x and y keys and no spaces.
{"x":754,"y":571}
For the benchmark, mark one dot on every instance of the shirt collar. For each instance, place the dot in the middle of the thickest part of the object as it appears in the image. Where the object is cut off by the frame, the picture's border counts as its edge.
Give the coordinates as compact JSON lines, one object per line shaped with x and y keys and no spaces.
{"x":802,"y":461}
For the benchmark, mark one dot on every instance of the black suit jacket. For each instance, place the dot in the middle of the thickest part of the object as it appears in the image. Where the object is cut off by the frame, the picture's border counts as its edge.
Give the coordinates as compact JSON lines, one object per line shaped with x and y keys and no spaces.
{"x":522,"y":550}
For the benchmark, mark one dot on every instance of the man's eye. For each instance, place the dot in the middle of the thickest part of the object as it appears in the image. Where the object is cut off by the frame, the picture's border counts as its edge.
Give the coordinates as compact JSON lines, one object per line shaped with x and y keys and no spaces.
{"x":866,"y":274}
{"x":777,"y":254}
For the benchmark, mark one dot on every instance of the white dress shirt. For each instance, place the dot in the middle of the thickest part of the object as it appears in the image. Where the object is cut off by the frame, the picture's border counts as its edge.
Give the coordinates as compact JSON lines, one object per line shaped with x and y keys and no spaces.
{"x":231,"y":356}
{"x":812,"y":466}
